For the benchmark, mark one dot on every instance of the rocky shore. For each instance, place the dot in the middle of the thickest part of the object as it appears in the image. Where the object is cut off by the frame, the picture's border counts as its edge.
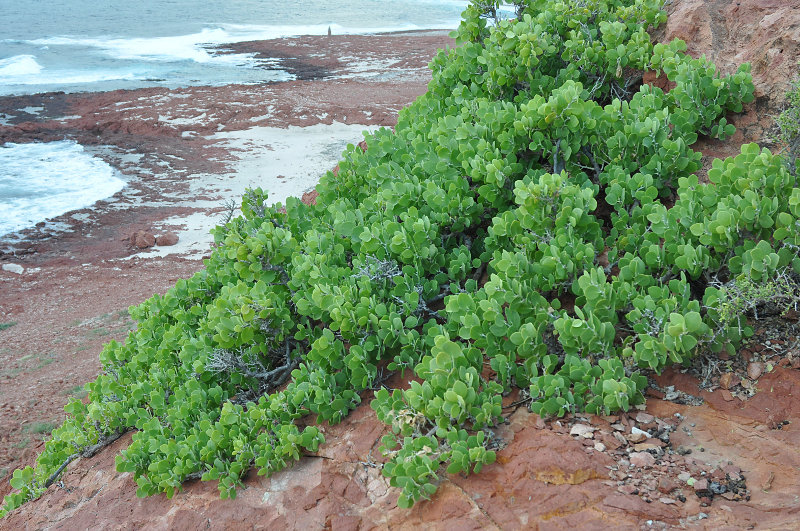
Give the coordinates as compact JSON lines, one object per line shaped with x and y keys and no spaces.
{"x":715,"y":448}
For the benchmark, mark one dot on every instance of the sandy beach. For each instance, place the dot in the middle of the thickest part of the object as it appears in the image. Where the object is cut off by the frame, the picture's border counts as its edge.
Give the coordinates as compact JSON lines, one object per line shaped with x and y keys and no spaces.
{"x":185,"y":155}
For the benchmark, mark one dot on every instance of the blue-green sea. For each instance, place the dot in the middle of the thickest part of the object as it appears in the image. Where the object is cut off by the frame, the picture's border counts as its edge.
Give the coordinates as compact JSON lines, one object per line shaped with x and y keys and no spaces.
{"x":75,"y":45}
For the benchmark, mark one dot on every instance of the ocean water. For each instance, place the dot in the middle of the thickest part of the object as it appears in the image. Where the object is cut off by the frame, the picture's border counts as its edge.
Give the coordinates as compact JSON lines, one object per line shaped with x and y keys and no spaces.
{"x":80,"y":46}
{"x":42,"y":180}
{"x":74,"y":45}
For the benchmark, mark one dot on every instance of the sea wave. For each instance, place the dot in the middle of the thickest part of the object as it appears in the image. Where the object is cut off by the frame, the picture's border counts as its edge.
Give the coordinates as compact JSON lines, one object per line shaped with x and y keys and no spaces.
{"x":198,"y":47}
{"x":19,"y":65}
{"x":39,"y":181}
{"x":69,"y":77}
{"x":174,"y":48}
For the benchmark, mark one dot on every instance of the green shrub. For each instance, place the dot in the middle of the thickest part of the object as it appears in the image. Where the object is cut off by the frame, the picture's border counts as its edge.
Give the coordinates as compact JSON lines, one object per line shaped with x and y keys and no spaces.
{"x":534,"y":221}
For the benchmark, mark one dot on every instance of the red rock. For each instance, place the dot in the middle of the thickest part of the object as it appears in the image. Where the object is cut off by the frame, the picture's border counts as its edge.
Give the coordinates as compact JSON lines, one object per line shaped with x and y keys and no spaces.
{"x":666,"y":485}
{"x":644,"y":418}
{"x":728,"y":380}
{"x":636,"y":435}
{"x":731,"y":470}
{"x":642,"y":459}
{"x":655,"y":393}
{"x":636,"y":506}
{"x":700,"y":485}
{"x":600,"y":447}
{"x":310,"y":198}
{"x":646,"y":447}
{"x":582,"y":430}
{"x":755,"y":370}
{"x":656,"y":442}
{"x":143,"y":239}
{"x":168,"y":239}
{"x":726,"y":395}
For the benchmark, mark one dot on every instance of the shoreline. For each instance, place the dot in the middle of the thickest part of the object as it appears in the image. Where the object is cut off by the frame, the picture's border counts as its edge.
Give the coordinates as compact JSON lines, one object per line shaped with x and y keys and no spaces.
{"x":183,"y":153}
{"x":156,"y":137}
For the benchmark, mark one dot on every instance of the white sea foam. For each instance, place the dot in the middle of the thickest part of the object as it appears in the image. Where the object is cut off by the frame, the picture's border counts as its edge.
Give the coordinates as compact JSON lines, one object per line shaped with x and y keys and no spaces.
{"x":19,"y":65}
{"x":68,"y":77}
{"x":174,"y":48}
{"x":195,"y":46}
{"x":41,"y":180}
{"x":25,"y":70}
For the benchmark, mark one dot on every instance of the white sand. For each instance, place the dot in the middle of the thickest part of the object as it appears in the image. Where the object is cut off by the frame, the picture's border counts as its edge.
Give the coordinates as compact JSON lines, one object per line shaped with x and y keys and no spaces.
{"x":284,"y":162}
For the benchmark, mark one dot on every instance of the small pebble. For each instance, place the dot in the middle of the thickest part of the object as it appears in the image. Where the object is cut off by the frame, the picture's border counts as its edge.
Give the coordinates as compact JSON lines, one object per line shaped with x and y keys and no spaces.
{"x":600,"y":447}
{"x":755,"y":370}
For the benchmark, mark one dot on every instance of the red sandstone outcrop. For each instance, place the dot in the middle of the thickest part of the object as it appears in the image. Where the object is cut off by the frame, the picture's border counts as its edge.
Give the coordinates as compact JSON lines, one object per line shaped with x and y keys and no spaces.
{"x":765,"y":33}
{"x":544,"y":478}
